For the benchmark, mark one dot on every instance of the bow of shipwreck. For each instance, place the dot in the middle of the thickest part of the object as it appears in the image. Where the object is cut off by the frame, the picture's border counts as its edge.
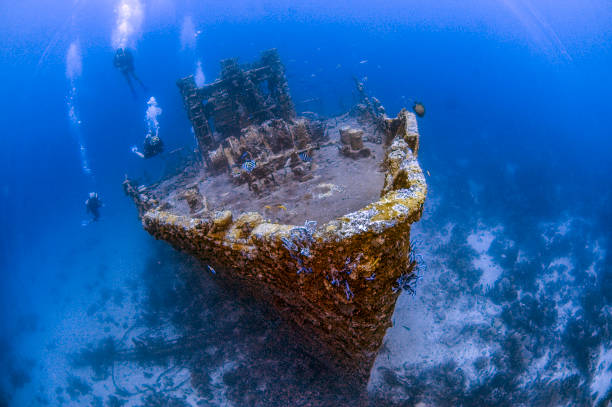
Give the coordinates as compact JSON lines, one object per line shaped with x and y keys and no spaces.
{"x":336,"y":280}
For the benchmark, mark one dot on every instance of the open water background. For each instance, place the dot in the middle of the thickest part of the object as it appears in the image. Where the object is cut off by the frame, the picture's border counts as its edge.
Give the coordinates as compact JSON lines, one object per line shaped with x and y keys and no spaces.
{"x":517,"y":139}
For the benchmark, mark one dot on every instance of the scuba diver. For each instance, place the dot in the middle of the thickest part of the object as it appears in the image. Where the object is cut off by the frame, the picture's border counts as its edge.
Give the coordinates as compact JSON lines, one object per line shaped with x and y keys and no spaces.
{"x":93,"y":205}
{"x":124,"y":61}
{"x":153,"y":145}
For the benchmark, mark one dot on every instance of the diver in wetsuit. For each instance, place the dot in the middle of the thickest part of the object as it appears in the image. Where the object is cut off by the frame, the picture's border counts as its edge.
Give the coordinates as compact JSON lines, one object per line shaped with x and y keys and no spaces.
{"x":93,"y":205}
{"x":153,"y":145}
{"x":124,"y":61}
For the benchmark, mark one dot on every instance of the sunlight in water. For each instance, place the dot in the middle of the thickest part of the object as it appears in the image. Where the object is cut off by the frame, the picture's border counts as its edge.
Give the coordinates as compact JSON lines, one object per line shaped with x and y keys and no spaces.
{"x":539,"y":30}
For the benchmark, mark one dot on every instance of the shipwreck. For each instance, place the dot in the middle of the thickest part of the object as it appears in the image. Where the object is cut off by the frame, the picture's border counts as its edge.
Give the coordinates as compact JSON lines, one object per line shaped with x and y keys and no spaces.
{"x":312,"y":216}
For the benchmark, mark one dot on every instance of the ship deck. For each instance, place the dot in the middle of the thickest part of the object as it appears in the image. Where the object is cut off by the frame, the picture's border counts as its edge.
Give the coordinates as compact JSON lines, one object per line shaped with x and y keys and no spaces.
{"x":339,"y":185}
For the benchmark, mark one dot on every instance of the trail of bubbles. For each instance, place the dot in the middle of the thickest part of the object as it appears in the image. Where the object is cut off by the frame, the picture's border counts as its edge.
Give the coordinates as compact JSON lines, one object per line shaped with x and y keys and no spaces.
{"x":74,"y":68}
{"x":74,"y":61}
{"x":199,"y":75}
{"x":153,"y":111}
{"x":188,"y":34}
{"x":189,"y":37}
{"x":129,"y":20}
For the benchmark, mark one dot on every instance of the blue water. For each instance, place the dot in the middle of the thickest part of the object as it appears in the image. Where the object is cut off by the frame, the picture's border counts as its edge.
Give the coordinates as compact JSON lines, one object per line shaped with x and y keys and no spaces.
{"x":516,"y":232}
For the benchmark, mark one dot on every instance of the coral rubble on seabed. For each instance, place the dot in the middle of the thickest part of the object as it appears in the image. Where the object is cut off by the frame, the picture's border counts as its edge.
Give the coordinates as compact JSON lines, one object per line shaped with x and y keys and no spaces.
{"x":527,"y":336}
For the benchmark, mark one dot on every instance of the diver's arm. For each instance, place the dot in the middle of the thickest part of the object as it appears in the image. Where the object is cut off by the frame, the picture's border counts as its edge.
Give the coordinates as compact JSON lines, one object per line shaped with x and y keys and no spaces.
{"x":138,"y":153}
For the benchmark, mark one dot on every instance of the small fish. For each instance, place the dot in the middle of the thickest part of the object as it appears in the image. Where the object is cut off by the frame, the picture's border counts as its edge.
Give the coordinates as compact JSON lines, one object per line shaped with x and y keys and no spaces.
{"x":405,"y":327}
{"x":372,"y":277}
{"x":419,"y":109}
{"x":244,"y":155}
{"x":305,"y":157}
{"x":268,"y":207}
{"x":365,"y":61}
{"x":212,"y":270}
{"x":283,"y":207}
{"x":428,"y":173}
{"x":248,"y":165}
